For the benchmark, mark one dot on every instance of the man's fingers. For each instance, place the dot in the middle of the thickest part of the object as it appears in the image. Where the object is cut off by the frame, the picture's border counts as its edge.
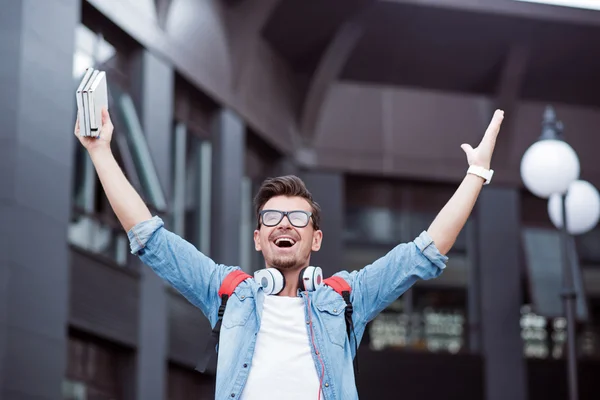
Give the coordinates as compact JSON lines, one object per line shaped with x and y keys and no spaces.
{"x":105,"y":117}
{"x":494,"y":127}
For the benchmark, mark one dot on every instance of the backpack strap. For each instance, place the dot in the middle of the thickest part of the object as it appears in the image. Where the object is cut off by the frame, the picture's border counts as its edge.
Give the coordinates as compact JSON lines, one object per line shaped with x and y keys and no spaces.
{"x":230,"y":283}
{"x":341,"y":287}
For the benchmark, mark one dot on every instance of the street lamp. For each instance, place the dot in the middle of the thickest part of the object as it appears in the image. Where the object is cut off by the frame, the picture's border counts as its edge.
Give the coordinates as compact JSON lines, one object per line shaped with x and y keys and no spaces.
{"x":583,"y":208}
{"x":550,"y":165}
{"x":549,"y":168}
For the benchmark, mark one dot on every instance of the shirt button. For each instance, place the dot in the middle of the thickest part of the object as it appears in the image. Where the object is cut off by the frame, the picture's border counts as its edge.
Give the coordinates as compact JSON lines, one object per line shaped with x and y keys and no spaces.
{"x":232,"y":394}
{"x":243,"y":297}
{"x":307,"y":322}
{"x":141,"y":252}
{"x":245,"y":365}
{"x":334,"y":310}
{"x":326,"y":384}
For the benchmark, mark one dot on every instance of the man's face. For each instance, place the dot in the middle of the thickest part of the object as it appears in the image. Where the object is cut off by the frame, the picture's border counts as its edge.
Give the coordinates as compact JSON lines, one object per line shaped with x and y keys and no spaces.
{"x":284,"y":245}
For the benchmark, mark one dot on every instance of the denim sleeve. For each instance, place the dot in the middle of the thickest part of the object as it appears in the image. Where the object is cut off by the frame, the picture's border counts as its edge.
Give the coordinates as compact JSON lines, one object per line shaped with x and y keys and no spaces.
{"x":178,"y":262}
{"x":377,"y":285}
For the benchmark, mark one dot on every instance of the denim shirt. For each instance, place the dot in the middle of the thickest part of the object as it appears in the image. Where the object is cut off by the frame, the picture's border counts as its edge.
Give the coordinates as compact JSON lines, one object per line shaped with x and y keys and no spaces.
{"x":198,"y":278}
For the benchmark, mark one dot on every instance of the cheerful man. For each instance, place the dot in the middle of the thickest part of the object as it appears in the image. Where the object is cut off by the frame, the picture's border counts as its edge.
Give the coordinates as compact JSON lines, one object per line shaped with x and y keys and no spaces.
{"x":284,"y":335}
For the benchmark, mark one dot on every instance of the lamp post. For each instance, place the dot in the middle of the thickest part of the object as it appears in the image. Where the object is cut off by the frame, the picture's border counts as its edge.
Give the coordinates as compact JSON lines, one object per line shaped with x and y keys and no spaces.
{"x":549,"y":168}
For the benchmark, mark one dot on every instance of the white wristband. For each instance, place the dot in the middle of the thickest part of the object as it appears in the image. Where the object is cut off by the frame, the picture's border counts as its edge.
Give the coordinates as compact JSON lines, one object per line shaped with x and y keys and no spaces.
{"x":482,"y":172}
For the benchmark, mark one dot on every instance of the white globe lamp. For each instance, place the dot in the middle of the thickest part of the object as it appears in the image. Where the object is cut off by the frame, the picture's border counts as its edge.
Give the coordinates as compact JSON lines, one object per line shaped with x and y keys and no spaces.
{"x":582,"y":208}
{"x":550,"y":165}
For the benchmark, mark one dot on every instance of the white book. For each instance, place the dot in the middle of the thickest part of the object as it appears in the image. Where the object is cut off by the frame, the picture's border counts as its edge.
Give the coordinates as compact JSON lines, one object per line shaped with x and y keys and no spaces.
{"x":98,"y":98}
{"x":90,"y":116}
{"x":81,"y":109}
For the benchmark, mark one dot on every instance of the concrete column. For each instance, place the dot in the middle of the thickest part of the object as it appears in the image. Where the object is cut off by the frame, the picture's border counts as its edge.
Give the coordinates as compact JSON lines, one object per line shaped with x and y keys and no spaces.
{"x":153,"y":94}
{"x":328,"y":191}
{"x":228,"y":144}
{"x":37,"y":113}
{"x":498,"y":244}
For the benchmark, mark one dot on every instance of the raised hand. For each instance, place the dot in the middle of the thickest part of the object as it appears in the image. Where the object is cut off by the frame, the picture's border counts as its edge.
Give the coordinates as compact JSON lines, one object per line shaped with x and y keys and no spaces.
{"x":103,"y":140}
{"x":482,"y":154}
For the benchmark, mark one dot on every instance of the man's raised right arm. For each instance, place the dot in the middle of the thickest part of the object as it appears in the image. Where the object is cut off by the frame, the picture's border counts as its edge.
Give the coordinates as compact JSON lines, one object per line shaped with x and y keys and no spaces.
{"x":175,"y":260}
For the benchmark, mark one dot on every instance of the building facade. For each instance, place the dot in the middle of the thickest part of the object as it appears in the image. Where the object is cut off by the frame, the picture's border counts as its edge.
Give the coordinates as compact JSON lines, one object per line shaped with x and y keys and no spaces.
{"x":210,"y":98}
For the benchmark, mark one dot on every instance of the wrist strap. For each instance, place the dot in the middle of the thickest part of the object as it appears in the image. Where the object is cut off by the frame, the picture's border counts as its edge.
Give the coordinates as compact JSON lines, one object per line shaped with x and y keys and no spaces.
{"x":482,"y":172}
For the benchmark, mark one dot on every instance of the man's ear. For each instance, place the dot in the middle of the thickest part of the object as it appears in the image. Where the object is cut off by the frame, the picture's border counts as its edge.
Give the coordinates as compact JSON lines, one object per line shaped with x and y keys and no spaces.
{"x":257,"y":241}
{"x":317,"y":239}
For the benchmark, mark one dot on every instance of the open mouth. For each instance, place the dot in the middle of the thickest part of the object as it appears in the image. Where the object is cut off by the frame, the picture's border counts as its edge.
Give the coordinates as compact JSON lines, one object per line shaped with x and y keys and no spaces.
{"x":284,"y":242}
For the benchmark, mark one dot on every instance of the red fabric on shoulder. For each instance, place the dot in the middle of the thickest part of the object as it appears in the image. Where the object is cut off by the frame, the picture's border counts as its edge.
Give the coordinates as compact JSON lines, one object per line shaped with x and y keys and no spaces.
{"x":338,"y":284}
{"x":231,"y":281}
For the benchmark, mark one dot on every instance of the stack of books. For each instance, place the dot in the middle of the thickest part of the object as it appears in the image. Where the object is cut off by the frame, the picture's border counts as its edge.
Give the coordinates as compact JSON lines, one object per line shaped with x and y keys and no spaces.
{"x":92,"y":96}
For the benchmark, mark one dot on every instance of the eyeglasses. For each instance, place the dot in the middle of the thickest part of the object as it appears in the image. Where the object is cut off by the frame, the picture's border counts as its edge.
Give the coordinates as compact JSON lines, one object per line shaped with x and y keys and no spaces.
{"x":298,"y":218}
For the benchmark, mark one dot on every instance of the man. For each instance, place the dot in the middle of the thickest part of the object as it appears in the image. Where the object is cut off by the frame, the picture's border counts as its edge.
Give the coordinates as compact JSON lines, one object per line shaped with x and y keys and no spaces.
{"x":292,"y":345}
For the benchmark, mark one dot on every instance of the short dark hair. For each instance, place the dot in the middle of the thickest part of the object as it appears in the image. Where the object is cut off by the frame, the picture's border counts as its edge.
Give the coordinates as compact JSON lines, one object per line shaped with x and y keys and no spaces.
{"x":289,"y":185}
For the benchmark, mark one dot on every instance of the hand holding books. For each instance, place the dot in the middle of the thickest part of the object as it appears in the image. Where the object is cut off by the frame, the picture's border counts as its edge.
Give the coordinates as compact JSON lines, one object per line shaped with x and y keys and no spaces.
{"x":92,"y":97}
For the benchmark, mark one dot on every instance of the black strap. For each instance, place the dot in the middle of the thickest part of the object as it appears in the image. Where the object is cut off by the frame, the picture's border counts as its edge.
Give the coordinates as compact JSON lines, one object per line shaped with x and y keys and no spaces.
{"x":350,"y":327}
{"x":208,"y":361}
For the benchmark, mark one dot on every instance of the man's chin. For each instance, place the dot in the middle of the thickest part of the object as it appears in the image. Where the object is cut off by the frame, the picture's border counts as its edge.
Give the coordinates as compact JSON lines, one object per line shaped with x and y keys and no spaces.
{"x":285,"y":264}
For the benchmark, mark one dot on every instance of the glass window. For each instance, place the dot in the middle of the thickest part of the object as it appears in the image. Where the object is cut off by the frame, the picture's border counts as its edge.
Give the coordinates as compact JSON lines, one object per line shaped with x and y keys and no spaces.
{"x":546,"y":338}
{"x":183,"y":383}
{"x":90,"y":49}
{"x":426,"y":319}
{"x":93,"y":370}
{"x":543,"y":250}
{"x":191,"y":188}
{"x":140,"y":152}
{"x":74,"y":390}
{"x":432,"y":315}
{"x":94,"y":227}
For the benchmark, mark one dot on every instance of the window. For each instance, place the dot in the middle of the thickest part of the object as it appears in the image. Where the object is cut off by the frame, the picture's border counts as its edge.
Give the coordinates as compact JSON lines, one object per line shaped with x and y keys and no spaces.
{"x":74,"y":390}
{"x":94,"y":368}
{"x":424,"y":319}
{"x":546,"y":337}
{"x":141,"y":154}
{"x":90,"y":49}
{"x":543,"y":327}
{"x":432,"y":315}
{"x":183,"y":383}
{"x":191,"y":187}
{"x":94,"y":227}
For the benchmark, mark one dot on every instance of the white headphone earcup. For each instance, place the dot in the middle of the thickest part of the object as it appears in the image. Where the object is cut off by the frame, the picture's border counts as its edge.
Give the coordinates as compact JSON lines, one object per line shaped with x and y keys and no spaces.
{"x":271,"y":280}
{"x":312,"y":277}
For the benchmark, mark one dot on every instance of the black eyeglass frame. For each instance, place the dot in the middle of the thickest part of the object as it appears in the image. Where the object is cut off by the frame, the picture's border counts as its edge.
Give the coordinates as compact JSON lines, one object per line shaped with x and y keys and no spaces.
{"x":285,"y":214}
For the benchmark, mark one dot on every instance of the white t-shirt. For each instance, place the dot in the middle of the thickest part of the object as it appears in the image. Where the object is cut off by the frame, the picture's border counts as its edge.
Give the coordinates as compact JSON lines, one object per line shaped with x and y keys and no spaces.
{"x":282,"y":365}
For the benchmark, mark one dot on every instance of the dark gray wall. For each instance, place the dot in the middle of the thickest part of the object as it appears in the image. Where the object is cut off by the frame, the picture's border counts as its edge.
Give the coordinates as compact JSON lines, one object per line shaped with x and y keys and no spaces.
{"x":154,"y":85}
{"x":105,"y":298}
{"x":36,"y":143}
{"x":499,"y":237}
{"x":188,"y":330}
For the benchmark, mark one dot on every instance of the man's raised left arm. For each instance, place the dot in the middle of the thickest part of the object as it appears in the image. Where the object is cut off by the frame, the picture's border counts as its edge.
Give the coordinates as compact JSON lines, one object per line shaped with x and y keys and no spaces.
{"x":452,"y":218}
{"x":380,"y":283}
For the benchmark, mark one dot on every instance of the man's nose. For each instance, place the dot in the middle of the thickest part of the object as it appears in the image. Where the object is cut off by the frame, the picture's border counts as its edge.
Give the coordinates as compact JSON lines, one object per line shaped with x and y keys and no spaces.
{"x":284,"y":223}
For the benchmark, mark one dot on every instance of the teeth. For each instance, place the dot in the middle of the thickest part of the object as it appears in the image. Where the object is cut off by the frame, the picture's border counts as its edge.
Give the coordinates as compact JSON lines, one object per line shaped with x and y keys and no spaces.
{"x":286,"y":240}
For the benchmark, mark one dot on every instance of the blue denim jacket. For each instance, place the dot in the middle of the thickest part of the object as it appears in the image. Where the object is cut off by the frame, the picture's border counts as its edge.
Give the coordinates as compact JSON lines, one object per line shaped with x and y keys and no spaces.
{"x":198,"y":278}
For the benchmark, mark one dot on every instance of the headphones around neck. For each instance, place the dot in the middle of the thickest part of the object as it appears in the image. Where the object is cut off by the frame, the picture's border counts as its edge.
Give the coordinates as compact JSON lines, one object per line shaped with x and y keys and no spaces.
{"x":273,"y":281}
